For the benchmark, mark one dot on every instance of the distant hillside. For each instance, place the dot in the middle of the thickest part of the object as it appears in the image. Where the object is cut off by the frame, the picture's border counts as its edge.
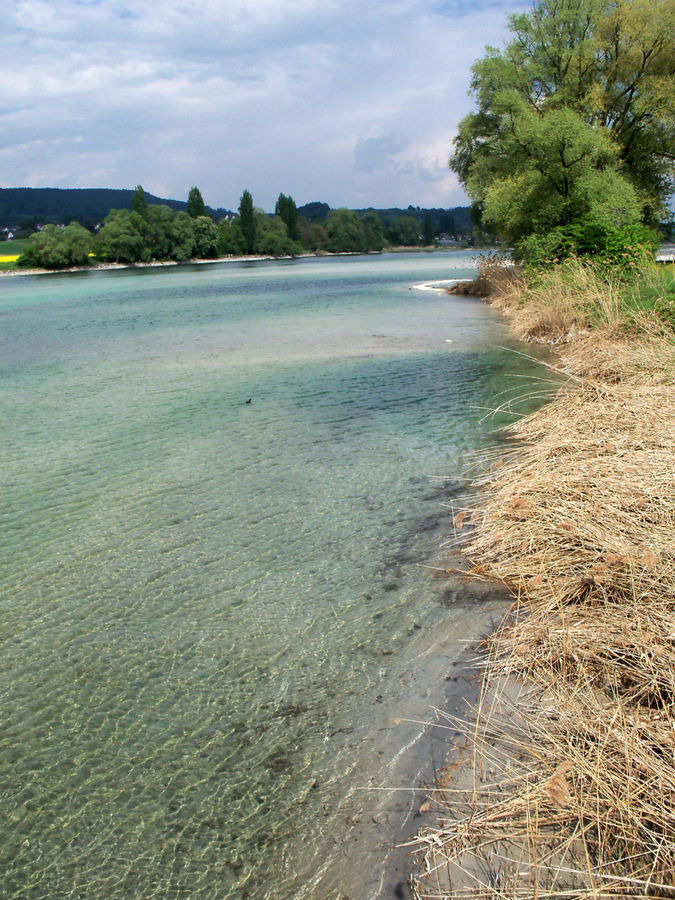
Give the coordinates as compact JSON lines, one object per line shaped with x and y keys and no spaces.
{"x":315,"y":211}
{"x":27,"y":207}
{"x":31,"y":206}
{"x":456,"y":220}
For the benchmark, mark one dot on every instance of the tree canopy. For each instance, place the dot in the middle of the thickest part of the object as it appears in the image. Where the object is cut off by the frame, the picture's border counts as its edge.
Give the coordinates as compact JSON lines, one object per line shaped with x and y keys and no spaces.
{"x":344,"y":231}
{"x":428,"y":231}
{"x":158,"y":231}
{"x":373,"y":233}
{"x":154,"y":231}
{"x":404,"y":230}
{"x":121,"y":237}
{"x":205,"y":237}
{"x":56,"y":248}
{"x":287,"y":210}
{"x":139,"y":203}
{"x":247,"y":222}
{"x":195,"y":203}
{"x":575,"y":117}
{"x":273,"y":237}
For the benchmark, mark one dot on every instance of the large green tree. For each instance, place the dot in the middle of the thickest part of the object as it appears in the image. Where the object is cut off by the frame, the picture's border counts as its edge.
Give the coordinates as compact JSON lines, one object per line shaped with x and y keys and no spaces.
{"x":57,"y":248}
{"x":403,"y":231}
{"x":195,"y":203}
{"x":344,"y":231}
{"x":428,"y":230}
{"x":247,"y":222}
{"x":230,"y":239}
{"x":139,"y":203}
{"x":182,"y":237}
{"x":373,"y":233}
{"x":312,"y":235}
{"x":288,"y":212}
{"x":121,"y":237}
{"x":206,"y":237}
{"x":157,"y":232}
{"x":574,"y":118}
{"x":79,"y":243}
{"x":272,"y":237}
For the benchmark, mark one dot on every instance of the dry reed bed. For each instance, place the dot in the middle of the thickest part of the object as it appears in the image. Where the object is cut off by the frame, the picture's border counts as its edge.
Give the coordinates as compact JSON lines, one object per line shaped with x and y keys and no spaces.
{"x":570,"y":786}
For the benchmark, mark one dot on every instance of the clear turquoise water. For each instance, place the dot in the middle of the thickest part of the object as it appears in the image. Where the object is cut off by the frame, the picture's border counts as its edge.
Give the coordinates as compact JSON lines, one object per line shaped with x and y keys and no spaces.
{"x":210,"y":609}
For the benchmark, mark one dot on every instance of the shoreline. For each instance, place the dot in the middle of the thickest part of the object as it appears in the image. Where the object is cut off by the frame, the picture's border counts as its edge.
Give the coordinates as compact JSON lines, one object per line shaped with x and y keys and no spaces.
{"x":171,"y":263}
{"x":373,"y":860}
{"x":579,"y":522}
{"x":155,"y":264}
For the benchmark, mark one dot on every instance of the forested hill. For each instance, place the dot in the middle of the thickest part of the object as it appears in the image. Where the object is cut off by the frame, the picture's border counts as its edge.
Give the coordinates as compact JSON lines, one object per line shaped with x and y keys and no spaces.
{"x":451,"y":221}
{"x":27,"y":207}
{"x":63,"y":205}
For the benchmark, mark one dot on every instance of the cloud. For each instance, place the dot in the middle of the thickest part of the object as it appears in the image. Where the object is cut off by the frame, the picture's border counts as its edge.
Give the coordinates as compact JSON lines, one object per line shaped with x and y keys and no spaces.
{"x":352,"y":103}
{"x":376,"y":151}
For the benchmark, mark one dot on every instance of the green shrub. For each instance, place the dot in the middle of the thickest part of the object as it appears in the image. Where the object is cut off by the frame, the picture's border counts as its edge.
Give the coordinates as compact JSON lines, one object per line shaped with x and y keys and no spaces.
{"x":57,"y":248}
{"x":28,"y":259}
{"x":623,"y":248}
{"x":544,"y":249}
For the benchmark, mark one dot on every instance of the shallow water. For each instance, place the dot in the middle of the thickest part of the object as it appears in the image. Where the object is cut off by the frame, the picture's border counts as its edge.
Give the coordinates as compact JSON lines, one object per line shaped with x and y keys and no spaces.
{"x":212,"y":610}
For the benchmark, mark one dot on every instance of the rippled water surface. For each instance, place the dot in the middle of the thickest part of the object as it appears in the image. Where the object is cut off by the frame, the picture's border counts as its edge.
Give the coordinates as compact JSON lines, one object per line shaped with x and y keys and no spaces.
{"x":212,"y":609}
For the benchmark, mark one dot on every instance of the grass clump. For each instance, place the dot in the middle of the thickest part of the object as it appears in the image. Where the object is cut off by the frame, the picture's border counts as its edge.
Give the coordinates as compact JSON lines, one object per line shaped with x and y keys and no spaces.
{"x":555,"y":304}
{"x":653,"y":293}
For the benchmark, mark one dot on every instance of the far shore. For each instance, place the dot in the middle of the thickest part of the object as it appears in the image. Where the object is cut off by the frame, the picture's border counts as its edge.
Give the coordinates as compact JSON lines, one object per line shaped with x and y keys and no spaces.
{"x":103,"y":266}
{"x":154,"y":264}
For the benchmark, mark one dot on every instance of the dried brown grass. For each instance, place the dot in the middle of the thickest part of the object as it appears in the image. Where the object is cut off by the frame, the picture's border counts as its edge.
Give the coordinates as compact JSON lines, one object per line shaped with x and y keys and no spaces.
{"x":571,"y":789}
{"x":559,"y":305}
{"x":550,"y":308}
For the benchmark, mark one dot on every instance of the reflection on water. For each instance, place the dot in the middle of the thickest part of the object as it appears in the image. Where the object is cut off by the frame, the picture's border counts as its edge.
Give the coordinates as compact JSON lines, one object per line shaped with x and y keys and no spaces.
{"x":213,"y":610}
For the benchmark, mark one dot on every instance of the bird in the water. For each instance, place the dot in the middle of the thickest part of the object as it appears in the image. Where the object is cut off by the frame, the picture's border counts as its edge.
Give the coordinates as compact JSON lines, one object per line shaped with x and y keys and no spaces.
{"x":250,"y":400}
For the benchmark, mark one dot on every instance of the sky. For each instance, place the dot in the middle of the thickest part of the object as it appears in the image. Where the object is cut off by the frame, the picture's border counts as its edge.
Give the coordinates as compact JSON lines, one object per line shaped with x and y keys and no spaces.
{"x":350,"y":102}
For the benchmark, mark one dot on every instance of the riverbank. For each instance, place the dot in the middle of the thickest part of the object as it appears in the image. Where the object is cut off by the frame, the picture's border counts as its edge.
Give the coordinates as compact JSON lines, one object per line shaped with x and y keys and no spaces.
{"x":101,"y":266}
{"x":155,"y":264}
{"x":567,"y":784}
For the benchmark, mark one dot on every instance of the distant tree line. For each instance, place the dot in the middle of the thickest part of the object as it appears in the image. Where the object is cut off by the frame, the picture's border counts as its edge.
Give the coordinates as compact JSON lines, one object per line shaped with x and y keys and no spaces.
{"x":155,"y":232}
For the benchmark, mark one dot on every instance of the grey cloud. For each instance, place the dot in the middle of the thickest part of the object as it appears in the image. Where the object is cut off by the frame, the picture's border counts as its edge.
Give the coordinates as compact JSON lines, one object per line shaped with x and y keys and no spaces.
{"x":235,"y":93}
{"x":373,"y":153}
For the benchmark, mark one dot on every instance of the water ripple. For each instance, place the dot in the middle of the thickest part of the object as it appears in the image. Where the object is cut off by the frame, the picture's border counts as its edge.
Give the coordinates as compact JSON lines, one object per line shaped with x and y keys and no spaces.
{"x":211,"y":610}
